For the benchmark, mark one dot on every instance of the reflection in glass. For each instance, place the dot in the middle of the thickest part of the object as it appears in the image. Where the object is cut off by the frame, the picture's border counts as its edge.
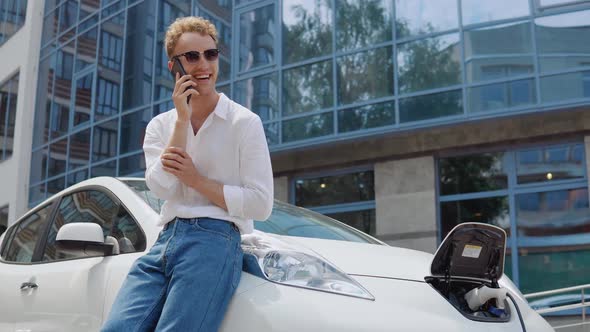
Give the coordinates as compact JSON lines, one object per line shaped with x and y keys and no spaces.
{"x":271,"y":131}
{"x":37,"y":194}
{"x":362,"y":23}
{"x":68,"y":17}
{"x":365,"y":75}
{"x":79,"y":149}
{"x":419,"y":17}
{"x":50,"y":25}
{"x":550,"y":164}
{"x":76,"y":177}
{"x":86,"y":49}
{"x":83,"y":95}
{"x":111,"y":43}
{"x":43,"y":103}
{"x":39,"y":165}
{"x":225,"y":89}
{"x":366,"y":117}
{"x":260,"y":95}
{"x":105,"y":169}
{"x":430,"y":106}
{"x":499,"y":51}
{"x":558,"y":41}
{"x":475,"y":173}
{"x":560,"y":267}
{"x":139,"y":59}
{"x":307,"y":88}
{"x":257,"y":37}
{"x":8,"y":101}
{"x":564,"y":87}
{"x":335,"y":189}
{"x":87,"y":8}
{"x":132,"y":165}
{"x":57,"y":157}
{"x":308,"y":127}
{"x":475,"y":11}
{"x":104,"y":142}
{"x":60,"y":113}
{"x":490,"y":210}
{"x":56,"y":185}
{"x":307,"y":29}
{"x":362,"y":220}
{"x":107,"y":96}
{"x":501,"y":95}
{"x":429,"y":63}
{"x":168,"y":11}
{"x":223,"y":27}
{"x":133,"y":130}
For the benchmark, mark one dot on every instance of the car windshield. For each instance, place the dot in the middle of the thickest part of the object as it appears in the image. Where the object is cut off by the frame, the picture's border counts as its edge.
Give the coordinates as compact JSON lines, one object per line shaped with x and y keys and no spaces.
{"x":286,"y":219}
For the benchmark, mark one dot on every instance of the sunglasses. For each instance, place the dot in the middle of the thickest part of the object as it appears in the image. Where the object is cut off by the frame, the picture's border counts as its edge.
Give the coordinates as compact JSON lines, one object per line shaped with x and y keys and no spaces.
{"x":193,"y":56}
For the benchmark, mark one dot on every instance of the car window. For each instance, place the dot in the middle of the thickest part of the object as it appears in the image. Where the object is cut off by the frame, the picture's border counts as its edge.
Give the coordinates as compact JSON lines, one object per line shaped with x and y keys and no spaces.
{"x":25,"y":236}
{"x":97,"y":207}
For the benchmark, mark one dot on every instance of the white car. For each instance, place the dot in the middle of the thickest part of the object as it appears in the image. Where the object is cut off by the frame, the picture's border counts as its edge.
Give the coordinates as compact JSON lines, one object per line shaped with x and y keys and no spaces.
{"x":64,"y":261}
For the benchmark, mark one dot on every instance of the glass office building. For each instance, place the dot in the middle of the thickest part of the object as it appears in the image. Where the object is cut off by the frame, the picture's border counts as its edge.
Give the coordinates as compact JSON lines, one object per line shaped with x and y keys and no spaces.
{"x":402,"y":118}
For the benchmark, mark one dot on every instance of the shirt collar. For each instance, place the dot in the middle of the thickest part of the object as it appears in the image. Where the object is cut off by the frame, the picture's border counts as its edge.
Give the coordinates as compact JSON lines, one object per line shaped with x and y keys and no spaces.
{"x":222,"y":106}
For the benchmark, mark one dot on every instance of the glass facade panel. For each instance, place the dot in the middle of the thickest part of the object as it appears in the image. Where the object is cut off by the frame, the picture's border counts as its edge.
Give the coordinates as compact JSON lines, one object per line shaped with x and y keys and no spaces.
{"x":558,"y":41}
{"x":83,"y":99}
{"x":475,"y":173}
{"x":133,"y":125}
{"x":57,"y":157}
{"x":430,"y":106}
{"x":223,"y":23}
{"x":37,"y":194}
{"x":8,"y":102}
{"x":86,"y":48}
{"x":571,"y":86}
{"x":39,"y":165}
{"x":307,"y":88}
{"x":366,"y":117}
{"x":104,"y":140}
{"x":429,"y":63}
{"x":550,"y":164}
{"x":308,"y":127}
{"x":79,"y":154}
{"x":50,"y":23}
{"x":498,"y":51}
{"x":335,"y":189}
{"x":365,"y":75}
{"x":363,"y":220}
{"x":260,"y":95}
{"x":68,"y":18}
{"x":139,"y":55}
{"x":257,"y":37}
{"x":56,"y":185}
{"x":490,"y":210}
{"x":62,"y":97}
{"x":272,"y":133}
{"x":132,"y":165}
{"x":362,"y":23}
{"x":418,"y":17}
{"x":307,"y":29}
{"x":474,"y":11}
{"x":501,"y":95}
{"x":12,"y":17}
{"x":105,"y":169}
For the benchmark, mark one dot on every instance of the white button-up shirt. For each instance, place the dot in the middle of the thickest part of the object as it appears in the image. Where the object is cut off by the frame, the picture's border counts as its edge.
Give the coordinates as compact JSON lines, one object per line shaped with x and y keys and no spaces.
{"x":230,"y":148}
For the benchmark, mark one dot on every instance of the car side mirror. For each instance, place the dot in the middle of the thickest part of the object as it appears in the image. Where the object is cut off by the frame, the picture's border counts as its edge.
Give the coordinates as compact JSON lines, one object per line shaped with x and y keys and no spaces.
{"x":86,"y":236}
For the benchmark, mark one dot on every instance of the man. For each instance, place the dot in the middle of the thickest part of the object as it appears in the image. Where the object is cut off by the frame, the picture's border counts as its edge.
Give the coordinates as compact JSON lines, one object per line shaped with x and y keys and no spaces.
{"x":209,"y":160}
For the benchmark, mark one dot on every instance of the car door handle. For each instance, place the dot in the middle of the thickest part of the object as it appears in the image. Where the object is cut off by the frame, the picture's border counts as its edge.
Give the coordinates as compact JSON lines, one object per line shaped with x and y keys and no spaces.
{"x":28,"y":285}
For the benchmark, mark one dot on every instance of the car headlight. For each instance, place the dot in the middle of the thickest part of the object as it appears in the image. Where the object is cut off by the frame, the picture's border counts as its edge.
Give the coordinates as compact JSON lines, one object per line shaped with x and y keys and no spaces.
{"x":299,"y":269}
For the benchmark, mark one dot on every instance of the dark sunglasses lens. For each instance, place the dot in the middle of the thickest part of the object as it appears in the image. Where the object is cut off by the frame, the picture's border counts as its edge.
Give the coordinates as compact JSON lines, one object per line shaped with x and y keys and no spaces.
{"x":211,"y":55}
{"x":191,"y":56}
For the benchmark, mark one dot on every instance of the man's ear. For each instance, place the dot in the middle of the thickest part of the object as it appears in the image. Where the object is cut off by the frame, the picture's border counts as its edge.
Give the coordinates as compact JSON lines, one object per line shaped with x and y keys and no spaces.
{"x":170,"y":64}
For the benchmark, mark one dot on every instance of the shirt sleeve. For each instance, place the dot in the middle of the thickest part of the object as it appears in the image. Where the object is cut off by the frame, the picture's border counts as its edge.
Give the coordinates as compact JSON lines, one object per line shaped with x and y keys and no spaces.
{"x":253,"y":199}
{"x":163,"y":184}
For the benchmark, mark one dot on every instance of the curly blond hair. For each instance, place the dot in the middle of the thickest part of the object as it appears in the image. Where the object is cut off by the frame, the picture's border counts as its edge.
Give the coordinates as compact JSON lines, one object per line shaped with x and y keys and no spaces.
{"x":188,"y":24}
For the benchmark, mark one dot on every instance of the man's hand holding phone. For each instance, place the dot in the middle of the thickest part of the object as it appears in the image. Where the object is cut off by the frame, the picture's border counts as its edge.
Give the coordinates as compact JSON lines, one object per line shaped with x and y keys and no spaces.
{"x":183,"y":89}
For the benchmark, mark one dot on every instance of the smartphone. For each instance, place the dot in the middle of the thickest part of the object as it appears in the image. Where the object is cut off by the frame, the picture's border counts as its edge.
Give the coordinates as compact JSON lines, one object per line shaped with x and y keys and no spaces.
{"x":178,"y":68}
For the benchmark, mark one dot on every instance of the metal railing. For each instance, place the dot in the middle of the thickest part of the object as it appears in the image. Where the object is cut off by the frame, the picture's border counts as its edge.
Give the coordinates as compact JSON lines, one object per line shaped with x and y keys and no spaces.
{"x":582,"y":304}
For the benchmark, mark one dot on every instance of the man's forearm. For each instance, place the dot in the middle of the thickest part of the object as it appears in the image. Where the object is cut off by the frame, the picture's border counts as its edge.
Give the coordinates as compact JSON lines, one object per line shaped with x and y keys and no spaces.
{"x":211,"y":189}
{"x":178,"y":138}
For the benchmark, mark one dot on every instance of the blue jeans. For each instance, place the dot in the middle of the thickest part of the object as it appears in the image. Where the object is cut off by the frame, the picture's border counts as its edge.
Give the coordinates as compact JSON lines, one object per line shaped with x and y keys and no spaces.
{"x":185,"y":281}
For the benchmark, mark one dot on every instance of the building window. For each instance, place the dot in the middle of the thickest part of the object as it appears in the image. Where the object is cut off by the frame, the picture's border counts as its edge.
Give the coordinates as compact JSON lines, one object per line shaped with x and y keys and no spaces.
{"x":12,"y":17}
{"x":8,"y":101}
{"x":346,"y":196}
{"x":539,"y":196}
{"x":3,"y":218}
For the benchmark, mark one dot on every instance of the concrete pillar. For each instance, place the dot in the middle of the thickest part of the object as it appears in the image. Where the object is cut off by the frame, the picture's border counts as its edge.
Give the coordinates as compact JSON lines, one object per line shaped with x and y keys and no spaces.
{"x":281,"y":188}
{"x":405,"y":199}
{"x":587,"y":145}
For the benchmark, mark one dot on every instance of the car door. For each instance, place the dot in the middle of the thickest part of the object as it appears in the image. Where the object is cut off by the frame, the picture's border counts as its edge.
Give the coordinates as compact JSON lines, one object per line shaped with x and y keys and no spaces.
{"x":16,"y":264}
{"x":71,"y":283}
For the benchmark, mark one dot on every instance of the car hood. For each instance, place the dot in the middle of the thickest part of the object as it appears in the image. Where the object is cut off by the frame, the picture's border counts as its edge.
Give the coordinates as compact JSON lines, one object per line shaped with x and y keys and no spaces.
{"x":368,"y":259}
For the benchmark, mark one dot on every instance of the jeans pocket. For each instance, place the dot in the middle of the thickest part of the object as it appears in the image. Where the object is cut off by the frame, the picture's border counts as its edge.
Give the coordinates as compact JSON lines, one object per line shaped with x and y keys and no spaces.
{"x":214,"y":226}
